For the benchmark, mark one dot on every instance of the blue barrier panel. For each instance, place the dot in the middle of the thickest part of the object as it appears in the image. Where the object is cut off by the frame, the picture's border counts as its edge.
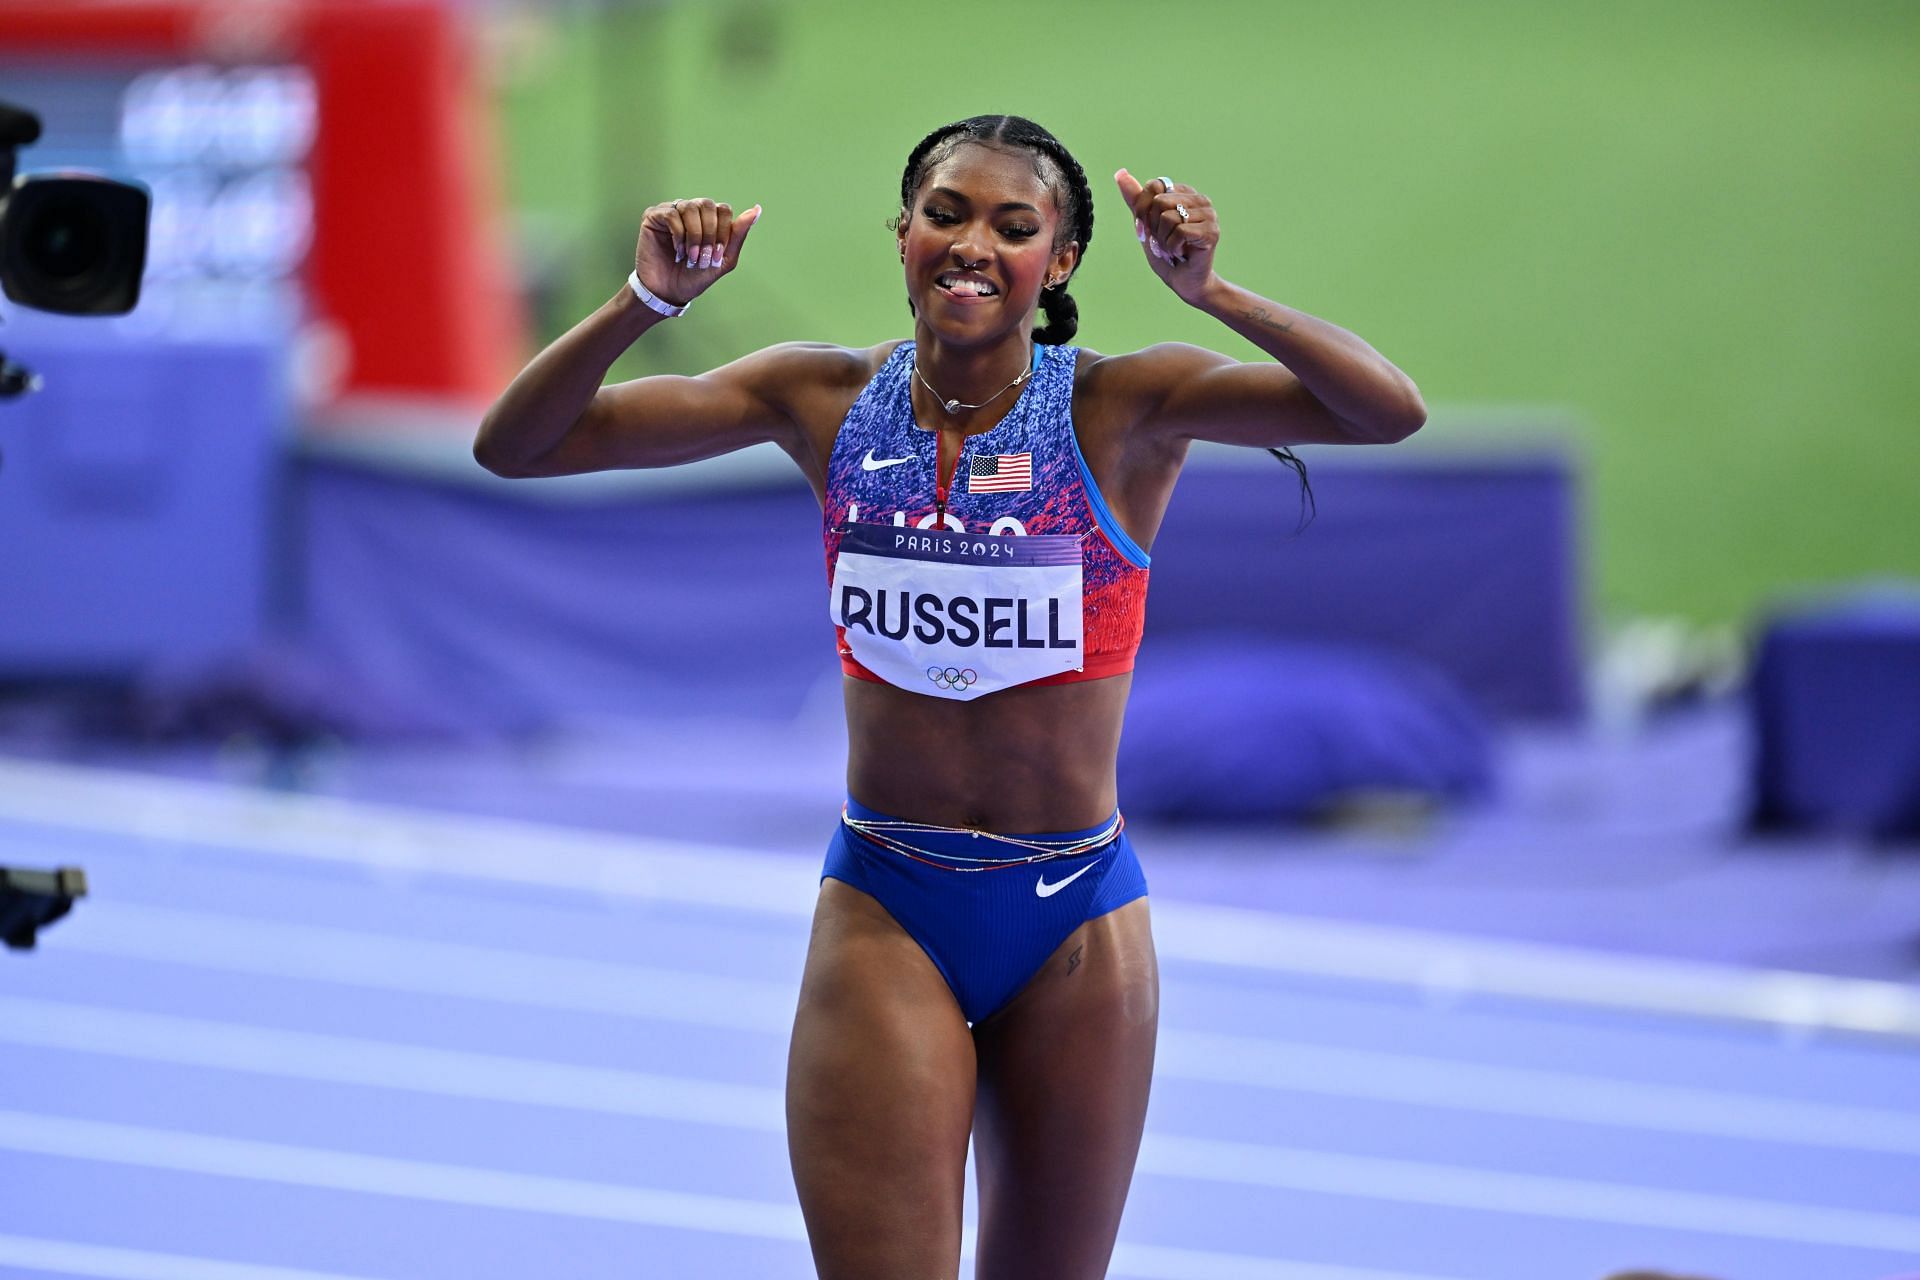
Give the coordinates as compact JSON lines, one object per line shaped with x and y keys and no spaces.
{"x":489,"y":604}
{"x":137,"y":492}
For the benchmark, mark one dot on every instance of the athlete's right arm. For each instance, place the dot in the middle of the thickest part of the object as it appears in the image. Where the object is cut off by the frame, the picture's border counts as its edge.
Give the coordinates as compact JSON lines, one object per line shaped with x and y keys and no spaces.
{"x":556,"y":418}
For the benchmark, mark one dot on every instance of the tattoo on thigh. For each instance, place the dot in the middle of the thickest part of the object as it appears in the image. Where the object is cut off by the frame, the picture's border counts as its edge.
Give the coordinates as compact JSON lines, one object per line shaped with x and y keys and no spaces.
{"x":1073,"y":961}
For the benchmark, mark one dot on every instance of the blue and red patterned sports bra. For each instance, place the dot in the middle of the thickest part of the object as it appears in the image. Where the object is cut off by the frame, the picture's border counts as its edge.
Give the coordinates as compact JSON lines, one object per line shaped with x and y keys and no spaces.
{"x":1028,"y":579}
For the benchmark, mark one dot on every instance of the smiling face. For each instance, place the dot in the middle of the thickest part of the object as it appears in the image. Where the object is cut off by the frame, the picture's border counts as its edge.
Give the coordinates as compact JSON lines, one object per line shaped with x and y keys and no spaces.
{"x":980,"y":242}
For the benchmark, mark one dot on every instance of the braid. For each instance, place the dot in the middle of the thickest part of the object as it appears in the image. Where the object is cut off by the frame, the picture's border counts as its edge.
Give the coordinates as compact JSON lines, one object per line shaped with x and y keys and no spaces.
{"x":1051,"y":160}
{"x":1062,"y":312}
{"x":1063,"y":318}
{"x":917,"y":162}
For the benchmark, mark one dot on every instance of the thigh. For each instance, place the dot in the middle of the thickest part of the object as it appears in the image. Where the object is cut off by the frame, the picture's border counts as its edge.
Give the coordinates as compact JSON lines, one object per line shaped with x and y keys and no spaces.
{"x":880,"y":1090}
{"x":1065,"y":1069}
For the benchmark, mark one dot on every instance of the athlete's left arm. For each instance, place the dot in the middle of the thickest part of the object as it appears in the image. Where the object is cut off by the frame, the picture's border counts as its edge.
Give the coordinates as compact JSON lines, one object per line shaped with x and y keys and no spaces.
{"x":1328,"y":387}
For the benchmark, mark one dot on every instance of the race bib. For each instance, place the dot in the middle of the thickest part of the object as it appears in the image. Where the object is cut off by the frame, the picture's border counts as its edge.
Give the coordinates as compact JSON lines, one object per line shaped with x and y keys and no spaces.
{"x":956,"y":615}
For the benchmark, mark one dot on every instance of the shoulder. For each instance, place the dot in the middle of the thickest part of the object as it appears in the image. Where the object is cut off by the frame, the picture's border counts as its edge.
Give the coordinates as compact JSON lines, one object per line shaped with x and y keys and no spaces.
{"x":811,"y":366}
{"x":1149,"y":372}
{"x":1113,"y":393}
{"x":808,"y":381}
{"x":812,"y":384}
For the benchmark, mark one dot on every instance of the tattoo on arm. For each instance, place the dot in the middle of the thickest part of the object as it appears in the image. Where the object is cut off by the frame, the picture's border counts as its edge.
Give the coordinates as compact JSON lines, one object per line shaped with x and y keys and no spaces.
{"x":1262,"y":316}
{"x":1073,"y":961}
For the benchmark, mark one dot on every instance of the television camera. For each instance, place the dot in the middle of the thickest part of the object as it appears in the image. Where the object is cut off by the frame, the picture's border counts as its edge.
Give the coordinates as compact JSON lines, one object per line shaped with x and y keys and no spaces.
{"x":76,"y":244}
{"x":73,"y":243}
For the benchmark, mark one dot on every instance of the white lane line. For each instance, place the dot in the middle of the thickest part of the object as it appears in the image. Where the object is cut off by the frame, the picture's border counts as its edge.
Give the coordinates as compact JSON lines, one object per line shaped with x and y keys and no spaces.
{"x":350,"y":957}
{"x":228,"y":1046}
{"x":562,"y":1197}
{"x":301,"y":1166}
{"x":405,"y":841}
{"x":339,"y":1059}
{"x":1455,"y":966}
{"x":1158,"y":1262}
{"x":1534,"y":1195}
{"x":402,"y":842}
{"x":71,"y":1258}
{"x":1300,"y":1067}
{"x":354,"y":958}
{"x":1145,"y":1262}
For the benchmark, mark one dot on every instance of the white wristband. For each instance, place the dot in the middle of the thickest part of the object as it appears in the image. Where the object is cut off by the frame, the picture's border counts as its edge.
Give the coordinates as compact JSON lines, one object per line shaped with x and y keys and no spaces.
{"x":654,"y":302}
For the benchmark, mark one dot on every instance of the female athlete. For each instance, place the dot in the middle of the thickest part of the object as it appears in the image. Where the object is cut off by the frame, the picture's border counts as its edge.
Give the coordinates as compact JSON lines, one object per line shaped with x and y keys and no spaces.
{"x":980,"y":961}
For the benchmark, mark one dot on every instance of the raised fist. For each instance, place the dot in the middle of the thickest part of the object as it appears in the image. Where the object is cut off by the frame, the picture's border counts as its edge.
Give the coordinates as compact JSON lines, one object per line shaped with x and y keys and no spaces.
{"x":685,"y":245}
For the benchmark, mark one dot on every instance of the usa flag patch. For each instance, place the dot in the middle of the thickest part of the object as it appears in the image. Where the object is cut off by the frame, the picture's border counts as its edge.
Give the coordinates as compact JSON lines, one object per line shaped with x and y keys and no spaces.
{"x":1000,"y":473}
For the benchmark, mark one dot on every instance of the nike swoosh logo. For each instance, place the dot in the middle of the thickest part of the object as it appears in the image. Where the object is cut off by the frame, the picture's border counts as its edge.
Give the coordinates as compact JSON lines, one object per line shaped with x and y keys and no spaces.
{"x":871,"y":463}
{"x":1046,"y":890}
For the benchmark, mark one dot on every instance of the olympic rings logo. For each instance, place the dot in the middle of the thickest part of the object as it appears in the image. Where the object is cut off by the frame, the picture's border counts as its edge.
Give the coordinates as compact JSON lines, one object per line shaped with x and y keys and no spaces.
{"x":952,"y":677}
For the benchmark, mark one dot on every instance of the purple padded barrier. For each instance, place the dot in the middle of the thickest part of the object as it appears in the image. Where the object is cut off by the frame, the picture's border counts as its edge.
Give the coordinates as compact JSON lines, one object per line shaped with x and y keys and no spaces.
{"x":1239,"y":728}
{"x":1469,"y":563}
{"x":1835,"y":698}
{"x":499,"y":606}
{"x":515,"y":604}
{"x":136,"y":500}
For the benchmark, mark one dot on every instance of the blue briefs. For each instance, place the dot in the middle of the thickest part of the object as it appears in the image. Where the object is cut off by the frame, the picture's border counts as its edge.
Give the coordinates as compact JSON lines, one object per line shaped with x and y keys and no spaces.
{"x":980,"y":905}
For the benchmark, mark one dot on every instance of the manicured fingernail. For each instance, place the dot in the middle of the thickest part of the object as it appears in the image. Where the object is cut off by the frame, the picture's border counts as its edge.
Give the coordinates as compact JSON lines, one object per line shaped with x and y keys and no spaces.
{"x":677,"y":256}
{"x":706,"y":255}
{"x":720,"y":259}
{"x":1140,"y":231}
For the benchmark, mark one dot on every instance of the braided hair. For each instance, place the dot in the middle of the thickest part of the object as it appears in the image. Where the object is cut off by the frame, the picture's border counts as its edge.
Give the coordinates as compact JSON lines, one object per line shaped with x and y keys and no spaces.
{"x":1052,"y":164}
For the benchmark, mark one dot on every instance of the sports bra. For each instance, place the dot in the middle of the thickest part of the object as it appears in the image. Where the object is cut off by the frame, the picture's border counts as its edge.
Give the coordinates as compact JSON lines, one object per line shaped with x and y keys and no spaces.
{"x":1025,"y":478}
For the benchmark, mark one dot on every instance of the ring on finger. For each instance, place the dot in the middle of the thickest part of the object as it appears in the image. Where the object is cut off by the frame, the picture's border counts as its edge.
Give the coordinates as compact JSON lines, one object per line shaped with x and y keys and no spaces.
{"x":1166,"y":184}
{"x":1181,"y":210}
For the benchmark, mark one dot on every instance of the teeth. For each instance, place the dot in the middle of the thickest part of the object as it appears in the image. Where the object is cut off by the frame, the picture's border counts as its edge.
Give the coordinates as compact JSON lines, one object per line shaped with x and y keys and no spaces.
{"x":979,"y":288}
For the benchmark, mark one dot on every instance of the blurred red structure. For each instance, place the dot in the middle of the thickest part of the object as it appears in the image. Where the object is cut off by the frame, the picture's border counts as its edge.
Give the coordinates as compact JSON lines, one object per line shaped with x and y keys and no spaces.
{"x":409,"y":259}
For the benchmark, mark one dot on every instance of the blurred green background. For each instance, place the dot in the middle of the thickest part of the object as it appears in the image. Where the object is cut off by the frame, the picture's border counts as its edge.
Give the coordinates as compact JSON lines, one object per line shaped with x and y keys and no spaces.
{"x":1689,"y":228}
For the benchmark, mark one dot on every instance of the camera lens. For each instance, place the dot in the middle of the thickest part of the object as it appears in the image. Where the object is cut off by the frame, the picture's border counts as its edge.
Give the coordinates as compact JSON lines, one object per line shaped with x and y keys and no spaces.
{"x":73,"y":243}
{"x":64,"y":239}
